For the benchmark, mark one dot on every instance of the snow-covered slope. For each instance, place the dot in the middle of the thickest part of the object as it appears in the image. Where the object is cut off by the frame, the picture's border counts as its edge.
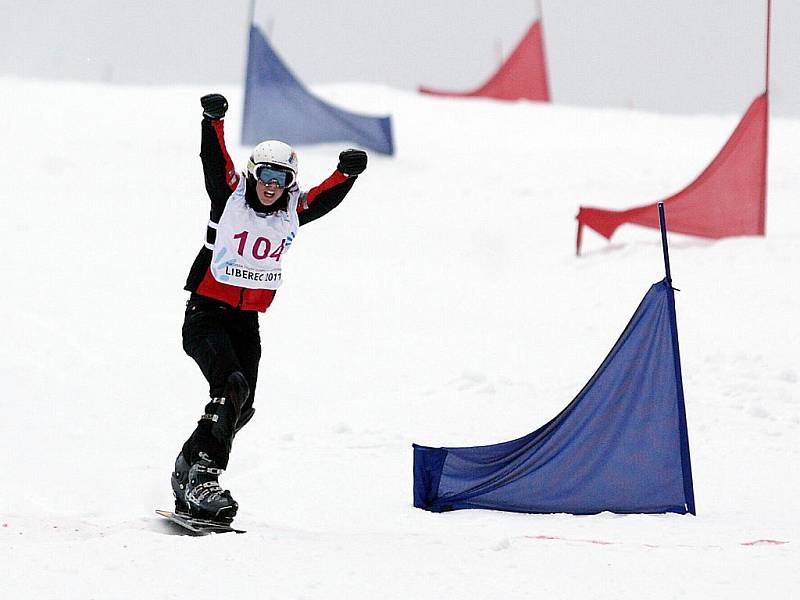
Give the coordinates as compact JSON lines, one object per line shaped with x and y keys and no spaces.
{"x":441,"y":303}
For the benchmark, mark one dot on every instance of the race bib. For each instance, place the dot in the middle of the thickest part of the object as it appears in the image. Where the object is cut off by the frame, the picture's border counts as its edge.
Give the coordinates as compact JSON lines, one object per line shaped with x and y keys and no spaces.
{"x":249,"y":247}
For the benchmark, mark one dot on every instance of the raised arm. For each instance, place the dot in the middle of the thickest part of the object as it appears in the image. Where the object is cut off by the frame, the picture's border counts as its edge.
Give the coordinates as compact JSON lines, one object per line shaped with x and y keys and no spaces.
{"x":220,"y":175}
{"x":322,"y":199}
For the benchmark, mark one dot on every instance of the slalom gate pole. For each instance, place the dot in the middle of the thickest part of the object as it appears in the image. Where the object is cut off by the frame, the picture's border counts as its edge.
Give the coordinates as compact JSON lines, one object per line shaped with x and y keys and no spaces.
{"x":763,"y":223}
{"x":769,"y":40}
{"x":252,"y":14}
{"x":662,"y":220}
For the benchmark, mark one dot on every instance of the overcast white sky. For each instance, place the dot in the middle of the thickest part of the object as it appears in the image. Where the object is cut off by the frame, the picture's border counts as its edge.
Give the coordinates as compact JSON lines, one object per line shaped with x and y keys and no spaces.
{"x":676,"y":55}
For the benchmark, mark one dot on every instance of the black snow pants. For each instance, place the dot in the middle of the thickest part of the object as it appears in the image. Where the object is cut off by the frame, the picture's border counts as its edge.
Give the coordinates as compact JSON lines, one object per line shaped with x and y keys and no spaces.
{"x":222,"y":340}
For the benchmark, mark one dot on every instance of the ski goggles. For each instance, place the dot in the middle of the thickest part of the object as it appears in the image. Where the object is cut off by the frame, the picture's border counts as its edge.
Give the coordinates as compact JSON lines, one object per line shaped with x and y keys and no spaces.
{"x":267,"y":173}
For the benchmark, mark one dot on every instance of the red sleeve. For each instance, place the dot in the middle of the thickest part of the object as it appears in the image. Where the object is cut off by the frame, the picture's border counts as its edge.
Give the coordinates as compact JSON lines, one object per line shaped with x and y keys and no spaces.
{"x":322,"y":199}
{"x":231,"y":176}
{"x":220,"y":175}
{"x":307,"y":198}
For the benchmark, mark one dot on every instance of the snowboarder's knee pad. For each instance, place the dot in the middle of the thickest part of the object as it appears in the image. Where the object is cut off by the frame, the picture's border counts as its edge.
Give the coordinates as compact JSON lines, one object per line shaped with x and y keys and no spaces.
{"x":244,"y":418}
{"x":237,"y":391}
{"x":224,"y":412}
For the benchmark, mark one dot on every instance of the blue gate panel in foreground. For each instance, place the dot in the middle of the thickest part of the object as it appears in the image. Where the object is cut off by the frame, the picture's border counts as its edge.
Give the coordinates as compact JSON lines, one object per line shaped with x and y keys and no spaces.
{"x":278,"y":107}
{"x":621,"y":445}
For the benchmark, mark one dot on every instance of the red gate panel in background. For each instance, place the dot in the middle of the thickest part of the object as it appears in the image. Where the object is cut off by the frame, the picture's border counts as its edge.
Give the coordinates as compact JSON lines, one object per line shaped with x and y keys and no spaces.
{"x":727,"y":199}
{"x":522,"y":77}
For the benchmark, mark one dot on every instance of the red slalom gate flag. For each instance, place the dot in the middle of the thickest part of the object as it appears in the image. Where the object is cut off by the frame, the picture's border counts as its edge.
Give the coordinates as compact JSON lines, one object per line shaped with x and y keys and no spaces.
{"x":727,"y":199}
{"x":522,"y":77}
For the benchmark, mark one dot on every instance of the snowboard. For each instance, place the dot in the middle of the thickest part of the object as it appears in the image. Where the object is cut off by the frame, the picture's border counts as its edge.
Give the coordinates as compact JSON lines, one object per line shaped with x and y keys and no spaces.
{"x":197,"y":526}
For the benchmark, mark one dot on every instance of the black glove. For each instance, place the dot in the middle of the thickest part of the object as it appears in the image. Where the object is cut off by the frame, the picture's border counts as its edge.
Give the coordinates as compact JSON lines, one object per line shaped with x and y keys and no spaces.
{"x":214,"y":106}
{"x":352,"y":162}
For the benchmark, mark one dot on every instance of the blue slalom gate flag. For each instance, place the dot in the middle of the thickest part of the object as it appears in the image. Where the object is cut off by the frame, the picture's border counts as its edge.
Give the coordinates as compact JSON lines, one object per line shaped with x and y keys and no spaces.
{"x":621,"y":445}
{"x":278,"y":107}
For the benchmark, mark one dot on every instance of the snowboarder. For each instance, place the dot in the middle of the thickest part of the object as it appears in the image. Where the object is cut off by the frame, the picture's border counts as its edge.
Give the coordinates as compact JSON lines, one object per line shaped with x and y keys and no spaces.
{"x":254,"y":219}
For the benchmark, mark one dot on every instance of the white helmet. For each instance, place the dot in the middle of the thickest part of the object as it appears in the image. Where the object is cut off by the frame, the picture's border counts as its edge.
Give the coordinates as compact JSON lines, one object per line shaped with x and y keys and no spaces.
{"x":274,"y":154}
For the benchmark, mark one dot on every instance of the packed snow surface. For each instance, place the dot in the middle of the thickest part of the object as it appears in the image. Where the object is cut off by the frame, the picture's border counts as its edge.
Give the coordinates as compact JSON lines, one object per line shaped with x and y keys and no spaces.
{"x":442,"y":303}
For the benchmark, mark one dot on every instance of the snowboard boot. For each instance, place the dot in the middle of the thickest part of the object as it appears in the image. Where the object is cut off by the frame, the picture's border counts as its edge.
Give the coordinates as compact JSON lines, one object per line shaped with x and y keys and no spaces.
{"x":179,"y":481}
{"x":198,"y":493}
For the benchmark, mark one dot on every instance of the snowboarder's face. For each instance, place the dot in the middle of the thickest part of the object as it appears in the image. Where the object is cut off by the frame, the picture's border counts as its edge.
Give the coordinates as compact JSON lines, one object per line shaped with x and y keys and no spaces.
{"x":268,"y":193}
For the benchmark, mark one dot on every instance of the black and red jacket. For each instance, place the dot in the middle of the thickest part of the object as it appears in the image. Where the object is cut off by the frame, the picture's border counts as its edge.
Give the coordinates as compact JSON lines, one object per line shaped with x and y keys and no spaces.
{"x":221,"y":179}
